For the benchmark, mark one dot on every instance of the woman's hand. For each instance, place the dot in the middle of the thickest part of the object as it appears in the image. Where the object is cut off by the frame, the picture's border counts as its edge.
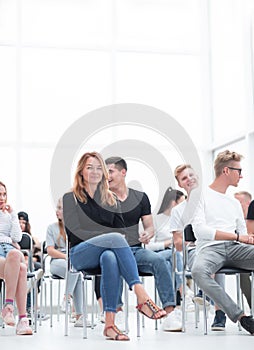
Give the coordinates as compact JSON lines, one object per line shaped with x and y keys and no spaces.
{"x":7,"y":208}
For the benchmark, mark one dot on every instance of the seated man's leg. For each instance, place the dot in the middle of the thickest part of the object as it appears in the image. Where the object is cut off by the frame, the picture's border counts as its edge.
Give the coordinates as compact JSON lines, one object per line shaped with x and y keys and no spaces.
{"x":207,"y":262}
{"x":150,"y":262}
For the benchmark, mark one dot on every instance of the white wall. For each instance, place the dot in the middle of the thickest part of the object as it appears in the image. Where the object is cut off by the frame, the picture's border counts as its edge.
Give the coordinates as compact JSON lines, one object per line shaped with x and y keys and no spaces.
{"x":61,"y":59}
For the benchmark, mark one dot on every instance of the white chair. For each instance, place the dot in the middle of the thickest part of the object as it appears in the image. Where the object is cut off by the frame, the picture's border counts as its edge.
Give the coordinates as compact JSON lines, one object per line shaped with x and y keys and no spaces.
{"x":48,"y":276}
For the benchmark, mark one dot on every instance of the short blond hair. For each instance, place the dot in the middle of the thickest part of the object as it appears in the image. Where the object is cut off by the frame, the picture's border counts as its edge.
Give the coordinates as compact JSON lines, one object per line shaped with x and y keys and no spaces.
{"x":246,"y":195}
{"x":224,"y":159}
{"x":181,"y":168}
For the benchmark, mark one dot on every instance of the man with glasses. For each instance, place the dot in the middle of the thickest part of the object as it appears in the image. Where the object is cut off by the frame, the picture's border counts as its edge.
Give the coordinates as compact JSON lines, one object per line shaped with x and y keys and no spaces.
{"x":221,"y":234}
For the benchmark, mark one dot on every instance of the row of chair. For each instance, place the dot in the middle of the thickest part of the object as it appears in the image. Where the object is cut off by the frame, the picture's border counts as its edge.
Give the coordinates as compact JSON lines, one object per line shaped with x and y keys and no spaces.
{"x":90,"y":275}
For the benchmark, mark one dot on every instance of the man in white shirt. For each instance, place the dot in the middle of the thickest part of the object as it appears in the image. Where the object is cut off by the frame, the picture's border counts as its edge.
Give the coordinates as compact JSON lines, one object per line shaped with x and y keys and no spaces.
{"x":222,"y":239}
{"x":181,"y":215}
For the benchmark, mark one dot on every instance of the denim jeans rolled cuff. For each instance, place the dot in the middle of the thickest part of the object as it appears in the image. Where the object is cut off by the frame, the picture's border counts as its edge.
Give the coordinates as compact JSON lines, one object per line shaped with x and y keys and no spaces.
{"x":170,"y":303}
{"x":109,"y":309}
{"x":131,"y":284}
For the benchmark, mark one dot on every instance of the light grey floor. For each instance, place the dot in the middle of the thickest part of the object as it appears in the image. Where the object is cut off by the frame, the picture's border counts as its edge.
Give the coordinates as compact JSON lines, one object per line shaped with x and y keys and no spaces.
{"x":48,"y":338}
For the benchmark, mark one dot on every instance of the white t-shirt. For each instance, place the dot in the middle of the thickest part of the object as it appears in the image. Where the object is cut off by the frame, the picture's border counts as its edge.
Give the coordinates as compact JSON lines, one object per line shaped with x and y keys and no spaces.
{"x":216,"y":211}
{"x":53,"y":239}
{"x":177,"y":218}
{"x":161,"y":232}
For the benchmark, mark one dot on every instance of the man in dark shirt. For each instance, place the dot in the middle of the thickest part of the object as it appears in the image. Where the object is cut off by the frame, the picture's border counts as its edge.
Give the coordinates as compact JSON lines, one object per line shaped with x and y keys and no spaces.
{"x":250,"y":218}
{"x":135,"y":206}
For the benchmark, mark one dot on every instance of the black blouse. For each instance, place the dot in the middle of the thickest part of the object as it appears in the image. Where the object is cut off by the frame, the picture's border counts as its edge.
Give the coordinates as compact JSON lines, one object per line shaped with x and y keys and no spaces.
{"x":86,"y":220}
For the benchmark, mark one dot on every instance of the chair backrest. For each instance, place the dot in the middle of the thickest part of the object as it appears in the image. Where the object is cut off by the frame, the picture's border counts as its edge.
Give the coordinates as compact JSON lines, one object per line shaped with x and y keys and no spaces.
{"x":44,"y":248}
{"x":44,"y":255}
{"x":189,"y":234}
{"x":26,"y":242}
{"x":26,"y":245}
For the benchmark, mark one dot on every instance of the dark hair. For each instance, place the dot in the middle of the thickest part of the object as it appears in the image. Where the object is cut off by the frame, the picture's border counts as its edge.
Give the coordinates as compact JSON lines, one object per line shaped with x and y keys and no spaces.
{"x":169,"y":196}
{"x":22,"y":215}
{"x":119,"y":162}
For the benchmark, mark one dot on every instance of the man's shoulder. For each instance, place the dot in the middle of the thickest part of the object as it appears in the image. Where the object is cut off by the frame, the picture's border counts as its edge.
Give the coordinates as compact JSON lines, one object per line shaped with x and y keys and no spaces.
{"x":137,"y":194}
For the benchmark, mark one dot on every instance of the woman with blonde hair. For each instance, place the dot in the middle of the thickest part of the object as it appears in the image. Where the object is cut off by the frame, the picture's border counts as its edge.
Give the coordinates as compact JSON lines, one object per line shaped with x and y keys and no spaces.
{"x":96,"y":234}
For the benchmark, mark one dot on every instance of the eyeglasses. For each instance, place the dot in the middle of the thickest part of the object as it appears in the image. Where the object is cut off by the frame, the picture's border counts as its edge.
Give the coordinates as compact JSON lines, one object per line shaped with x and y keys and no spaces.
{"x":238,"y":169}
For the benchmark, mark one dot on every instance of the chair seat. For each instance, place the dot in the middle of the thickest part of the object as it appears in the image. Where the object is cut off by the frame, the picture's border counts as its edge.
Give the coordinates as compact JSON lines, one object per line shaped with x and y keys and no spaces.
{"x":55,"y":277}
{"x":92,"y":272}
{"x":145,"y":274}
{"x":232,"y":270}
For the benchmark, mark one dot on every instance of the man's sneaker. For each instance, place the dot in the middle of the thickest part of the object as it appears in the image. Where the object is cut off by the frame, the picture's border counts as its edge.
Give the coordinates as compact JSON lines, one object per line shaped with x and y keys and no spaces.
{"x":189,"y":304}
{"x":72,"y":318}
{"x":173,"y":321}
{"x":8,"y":315}
{"x":219,"y":321}
{"x":38,"y":274}
{"x":247,"y":323}
{"x":79,"y":322}
{"x":23,"y":327}
{"x":199,"y":299}
{"x":63,"y":305}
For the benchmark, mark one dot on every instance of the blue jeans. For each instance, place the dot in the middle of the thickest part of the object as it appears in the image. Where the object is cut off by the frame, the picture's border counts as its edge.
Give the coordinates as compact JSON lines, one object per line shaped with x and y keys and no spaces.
{"x":152,"y":262}
{"x":112,"y":253}
{"x":167,"y":254}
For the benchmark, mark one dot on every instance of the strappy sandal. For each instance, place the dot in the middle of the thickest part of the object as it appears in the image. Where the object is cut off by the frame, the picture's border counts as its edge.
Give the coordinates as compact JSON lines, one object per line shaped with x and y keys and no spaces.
{"x":153,"y":308}
{"x":118,"y":333}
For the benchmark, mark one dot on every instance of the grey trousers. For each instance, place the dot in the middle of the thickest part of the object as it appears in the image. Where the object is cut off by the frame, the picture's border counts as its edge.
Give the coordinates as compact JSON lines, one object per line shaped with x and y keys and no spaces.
{"x":220,"y":278}
{"x":211,"y":259}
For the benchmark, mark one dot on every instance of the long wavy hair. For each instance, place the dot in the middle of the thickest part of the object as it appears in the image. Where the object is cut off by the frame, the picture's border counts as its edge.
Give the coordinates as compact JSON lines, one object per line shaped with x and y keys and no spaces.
{"x":107,"y":197}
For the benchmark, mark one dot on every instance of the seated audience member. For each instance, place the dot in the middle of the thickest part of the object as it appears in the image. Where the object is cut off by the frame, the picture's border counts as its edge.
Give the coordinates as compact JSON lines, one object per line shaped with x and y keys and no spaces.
{"x":250,"y":218}
{"x":96,"y":234}
{"x":221,"y":234}
{"x":26,"y":227}
{"x":188,"y":180}
{"x":36,"y":264}
{"x":56,"y":249}
{"x":163,"y":238}
{"x":13,"y":269}
{"x":135,"y":207}
{"x":244,"y":198}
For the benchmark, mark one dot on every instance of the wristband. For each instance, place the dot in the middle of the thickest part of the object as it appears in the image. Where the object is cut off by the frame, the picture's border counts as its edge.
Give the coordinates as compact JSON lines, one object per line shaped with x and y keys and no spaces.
{"x":237,"y":237}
